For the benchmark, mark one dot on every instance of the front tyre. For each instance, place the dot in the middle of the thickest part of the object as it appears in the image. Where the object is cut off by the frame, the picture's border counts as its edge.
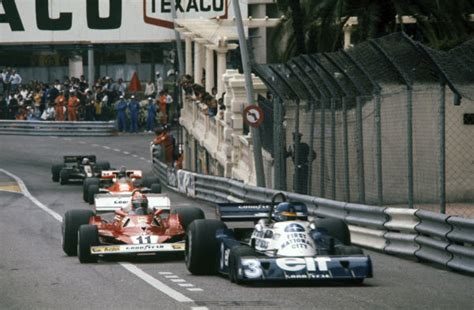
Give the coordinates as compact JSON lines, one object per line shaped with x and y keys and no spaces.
{"x":201,"y":246}
{"x":93,"y":189}
{"x":85,"y":187}
{"x":88,"y":236}
{"x":55,"y":171}
{"x":63,"y":177}
{"x":234,"y":259}
{"x":72,"y":220}
{"x":188,"y":215}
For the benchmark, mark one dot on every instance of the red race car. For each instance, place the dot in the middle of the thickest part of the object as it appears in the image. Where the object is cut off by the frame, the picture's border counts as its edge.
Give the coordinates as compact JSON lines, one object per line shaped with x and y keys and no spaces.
{"x":118,"y":182}
{"x":134,"y":230}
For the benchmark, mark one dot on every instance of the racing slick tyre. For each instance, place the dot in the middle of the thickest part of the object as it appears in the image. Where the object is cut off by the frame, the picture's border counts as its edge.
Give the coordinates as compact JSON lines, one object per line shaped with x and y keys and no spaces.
{"x":149,"y":181}
{"x":88,"y":236}
{"x":201,"y":246}
{"x":188,"y":215}
{"x":335,"y":228}
{"x":156,"y":188}
{"x":85,"y":187}
{"x":72,"y":220}
{"x":234,"y":258}
{"x":103,"y":165}
{"x":93,"y":189}
{"x":63,"y":177}
{"x":55,"y":171}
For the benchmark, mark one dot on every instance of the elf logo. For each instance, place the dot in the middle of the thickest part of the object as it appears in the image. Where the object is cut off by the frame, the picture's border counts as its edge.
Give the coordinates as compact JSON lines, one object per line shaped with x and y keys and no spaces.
{"x":158,"y":12}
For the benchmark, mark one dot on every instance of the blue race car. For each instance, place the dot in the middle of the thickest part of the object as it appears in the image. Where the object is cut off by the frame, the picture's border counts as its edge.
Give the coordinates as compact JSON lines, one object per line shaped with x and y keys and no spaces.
{"x":283,"y":246}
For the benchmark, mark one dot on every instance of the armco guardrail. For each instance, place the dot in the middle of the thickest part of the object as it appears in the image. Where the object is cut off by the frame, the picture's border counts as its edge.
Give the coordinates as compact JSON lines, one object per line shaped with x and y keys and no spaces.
{"x":426,"y":236}
{"x":57,"y":128}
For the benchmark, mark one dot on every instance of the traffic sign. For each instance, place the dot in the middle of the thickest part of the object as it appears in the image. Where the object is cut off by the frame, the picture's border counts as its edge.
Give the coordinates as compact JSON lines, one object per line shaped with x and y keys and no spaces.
{"x":253,"y":115}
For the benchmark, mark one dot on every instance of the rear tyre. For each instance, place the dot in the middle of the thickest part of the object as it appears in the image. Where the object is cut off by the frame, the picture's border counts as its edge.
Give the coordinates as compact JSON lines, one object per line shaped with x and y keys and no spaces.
{"x":156,"y":188}
{"x":335,"y":228}
{"x":88,"y":236}
{"x":85,"y":187}
{"x":63,"y":177}
{"x":201,"y":246}
{"x":148,"y":181}
{"x":234,"y":258}
{"x":93,"y":189}
{"x":55,"y":171}
{"x":103,"y":165}
{"x":188,"y":215}
{"x":72,"y":220}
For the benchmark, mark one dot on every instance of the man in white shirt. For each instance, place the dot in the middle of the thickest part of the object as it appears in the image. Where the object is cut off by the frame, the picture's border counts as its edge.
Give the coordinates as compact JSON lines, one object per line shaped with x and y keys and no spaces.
{"x":15,"y":80}
{"x":159,"y":83}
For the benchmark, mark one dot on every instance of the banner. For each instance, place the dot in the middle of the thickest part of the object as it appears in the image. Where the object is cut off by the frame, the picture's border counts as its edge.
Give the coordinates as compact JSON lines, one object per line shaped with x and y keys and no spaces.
{"x":101,"y":21}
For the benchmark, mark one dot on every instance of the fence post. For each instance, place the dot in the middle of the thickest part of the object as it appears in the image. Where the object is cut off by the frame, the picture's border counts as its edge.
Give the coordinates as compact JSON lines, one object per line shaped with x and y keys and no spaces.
{"x":333,"y":148}
{"x":322,"y":149}
{"x":278,"y":144}
{"x":410,"y":144}
{"x":311,"y":148}
{"x":360,"y":151}
{"x":442,"y":148}
{"x":378,"y":149}
{"x":347,"y":188}
{"x":296,"y":150}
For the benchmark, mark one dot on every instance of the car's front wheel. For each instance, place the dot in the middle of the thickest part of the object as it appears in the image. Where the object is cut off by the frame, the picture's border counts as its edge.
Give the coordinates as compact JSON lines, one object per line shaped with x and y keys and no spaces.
{"x":88,"y":236}
{"x":72,"y":220}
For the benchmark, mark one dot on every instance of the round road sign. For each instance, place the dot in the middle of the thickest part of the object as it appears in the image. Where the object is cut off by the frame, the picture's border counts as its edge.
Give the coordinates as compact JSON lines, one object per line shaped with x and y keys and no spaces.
{"x":253,"y":115}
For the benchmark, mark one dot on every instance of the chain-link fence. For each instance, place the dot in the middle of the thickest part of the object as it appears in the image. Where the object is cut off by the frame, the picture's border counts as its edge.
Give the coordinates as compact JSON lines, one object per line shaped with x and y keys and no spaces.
{"x":389,"y":122}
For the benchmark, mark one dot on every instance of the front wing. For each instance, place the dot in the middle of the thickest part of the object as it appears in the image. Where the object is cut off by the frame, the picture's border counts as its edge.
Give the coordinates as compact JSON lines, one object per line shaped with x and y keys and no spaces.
{"x":137,"y":248}
{"x":304,"y":268}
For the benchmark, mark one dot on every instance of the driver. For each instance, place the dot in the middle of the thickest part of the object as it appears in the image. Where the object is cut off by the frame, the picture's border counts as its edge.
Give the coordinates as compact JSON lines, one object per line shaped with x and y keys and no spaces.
{"x":285,"y":211}
{"x":139,"y":204}
{"x":122,"y":173}
{"x":85,"y":161}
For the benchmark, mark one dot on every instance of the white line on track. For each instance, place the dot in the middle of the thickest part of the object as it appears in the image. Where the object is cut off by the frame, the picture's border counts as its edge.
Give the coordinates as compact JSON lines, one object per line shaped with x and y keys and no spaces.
{"x":194,"y":289}
{"x":171,"y":277}
{"x":117,"y":150}
{"x":106,"y":147}
{"x":186,"y":284}
{"x":126,"y":153}
{"x":130,"y":267}
{"x":178,"y":280}
{"x":135,"y":155}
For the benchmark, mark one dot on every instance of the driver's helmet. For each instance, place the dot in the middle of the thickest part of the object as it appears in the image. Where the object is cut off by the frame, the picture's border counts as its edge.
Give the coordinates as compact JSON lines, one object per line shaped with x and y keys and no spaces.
{"x":122,"y":172}
{"x":139,"y":203}
{"x":159,"y":130}
{"x":85,"y":161}
{"x":285,"y":211}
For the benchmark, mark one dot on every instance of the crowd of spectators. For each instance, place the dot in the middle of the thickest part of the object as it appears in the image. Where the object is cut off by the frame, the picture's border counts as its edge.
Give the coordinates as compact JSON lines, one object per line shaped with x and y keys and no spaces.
{"x":212,"y":104}
{"x":73,"y":100}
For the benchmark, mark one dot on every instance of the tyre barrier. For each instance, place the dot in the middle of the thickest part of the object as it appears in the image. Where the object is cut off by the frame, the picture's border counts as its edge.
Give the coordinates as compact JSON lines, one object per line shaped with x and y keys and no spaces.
{"x":57,"y":128}
{"x":424,"y":235}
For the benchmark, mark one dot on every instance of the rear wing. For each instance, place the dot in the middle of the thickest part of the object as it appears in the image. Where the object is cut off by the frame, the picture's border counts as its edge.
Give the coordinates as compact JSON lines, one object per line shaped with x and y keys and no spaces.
{"x":241,"y":212}
{"x":110,"y":174}
{"x":109,"y":203}
{"x":78,"y":158}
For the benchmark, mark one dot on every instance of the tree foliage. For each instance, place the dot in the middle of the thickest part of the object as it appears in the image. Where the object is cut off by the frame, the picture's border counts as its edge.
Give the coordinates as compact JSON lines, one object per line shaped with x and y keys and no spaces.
{"x":317,"y":26}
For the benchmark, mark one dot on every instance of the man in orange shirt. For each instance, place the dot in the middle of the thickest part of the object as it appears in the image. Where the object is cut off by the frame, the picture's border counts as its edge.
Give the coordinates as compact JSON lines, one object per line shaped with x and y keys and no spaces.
{"x":60,"y":102}
{"x":162,"y":105}
{"x":72,"y":105}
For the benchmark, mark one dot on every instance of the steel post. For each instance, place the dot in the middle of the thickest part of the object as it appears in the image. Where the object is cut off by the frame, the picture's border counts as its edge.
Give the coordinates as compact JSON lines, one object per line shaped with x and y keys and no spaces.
{"x":296,"y":151}
{"x":360,"y":151}
{"x":378,"y":149}
{"x":410,"y":145}
{"x":333,"y":148}
{"x":347,"y":188}
{"x":442,"y":148}
{"x":258,"y":158}
{"x":90,"y":66}
{"x":311,"y":148}
{"x":278,"y":146}
{"x":322,"y":149}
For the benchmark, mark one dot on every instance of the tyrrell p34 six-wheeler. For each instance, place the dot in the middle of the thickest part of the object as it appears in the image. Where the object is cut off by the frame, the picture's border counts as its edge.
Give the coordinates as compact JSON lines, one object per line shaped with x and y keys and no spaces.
{"x":137,"y":230}
{"x":283,"y":246}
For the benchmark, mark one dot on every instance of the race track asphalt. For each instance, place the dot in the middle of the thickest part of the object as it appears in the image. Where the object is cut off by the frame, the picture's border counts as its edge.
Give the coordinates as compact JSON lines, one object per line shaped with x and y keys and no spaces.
{"x":36,"y":274}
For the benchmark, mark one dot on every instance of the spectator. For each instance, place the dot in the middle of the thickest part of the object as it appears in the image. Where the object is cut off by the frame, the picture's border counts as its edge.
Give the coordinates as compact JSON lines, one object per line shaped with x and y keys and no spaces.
{"x":162,"y":105}
{"x":15,"y":81}
{"x":150,"y":89}
{"x":159,"y":82}
{"x":169,"y":101}
{"x":121,"y":107}
{"x":90,"y":105}
{"x":48,"y":114}
{"x":134,"y":108}
{"x":301,"y":163}
{"x":3,"y":107}
{"x":7,"y":81}
{"x":151,"y":115}
{"x":60,"y":106}
{"x":72,"y":106}
{"x":120,"y":87}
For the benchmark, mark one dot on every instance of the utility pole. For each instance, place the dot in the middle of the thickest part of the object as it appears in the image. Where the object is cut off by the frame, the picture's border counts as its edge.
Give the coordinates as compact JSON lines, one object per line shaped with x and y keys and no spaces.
{"x":255,"y":131}
{"x":179,"y":47}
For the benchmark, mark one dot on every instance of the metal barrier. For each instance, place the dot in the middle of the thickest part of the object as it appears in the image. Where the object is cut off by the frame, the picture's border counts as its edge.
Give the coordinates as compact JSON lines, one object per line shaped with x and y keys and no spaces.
{"x":427,"y":236}
{"x":57,"y":128}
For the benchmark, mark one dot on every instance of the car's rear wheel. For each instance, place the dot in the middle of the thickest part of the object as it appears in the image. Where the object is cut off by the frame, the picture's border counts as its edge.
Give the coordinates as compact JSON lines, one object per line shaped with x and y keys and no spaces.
{"x":103,"y":165}
{"x":156,"y":188}
{"x":201,"y":246}
{"x":85,"y":187}
{"x":148,"y":181}
{"x":55,"y":171}
{"x":188,"y":215}
{"x":88,"y":236}
{"x":63,"y":176}
{"x":234,"y":258}
{"x":72,"y":220}
{"x":335,"y":228}
{"x":93,"y":189}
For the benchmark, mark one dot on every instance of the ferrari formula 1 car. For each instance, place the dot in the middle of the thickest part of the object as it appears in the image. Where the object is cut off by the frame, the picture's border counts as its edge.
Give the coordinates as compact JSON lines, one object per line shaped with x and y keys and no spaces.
{"x":113,"y":184}
{"x":283,"y":246}
{"x":90,"y":236}
{"x":77,"y":167}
